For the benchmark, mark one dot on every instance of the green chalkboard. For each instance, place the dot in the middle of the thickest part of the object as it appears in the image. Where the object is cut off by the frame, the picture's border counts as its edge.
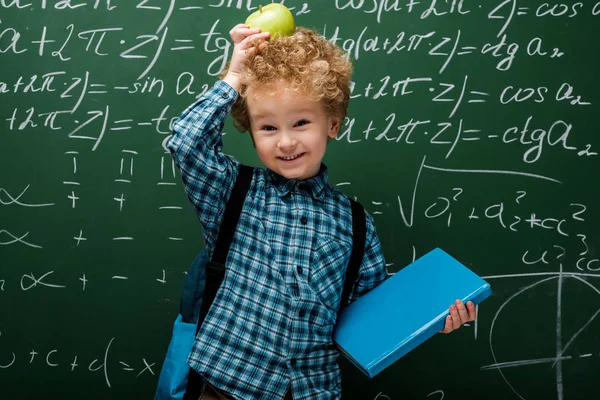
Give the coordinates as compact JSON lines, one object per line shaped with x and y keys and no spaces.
{"x":473,"y":127}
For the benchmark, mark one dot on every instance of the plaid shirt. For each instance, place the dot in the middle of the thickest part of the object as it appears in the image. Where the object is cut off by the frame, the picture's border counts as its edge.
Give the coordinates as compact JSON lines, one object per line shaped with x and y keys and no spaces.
{"x":270,"y":327}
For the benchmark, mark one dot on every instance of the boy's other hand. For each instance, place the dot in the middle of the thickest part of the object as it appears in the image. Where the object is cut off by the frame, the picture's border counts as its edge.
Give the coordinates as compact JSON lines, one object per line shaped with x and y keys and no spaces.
{"x":459,"y":315}
{"x":246,"y":42}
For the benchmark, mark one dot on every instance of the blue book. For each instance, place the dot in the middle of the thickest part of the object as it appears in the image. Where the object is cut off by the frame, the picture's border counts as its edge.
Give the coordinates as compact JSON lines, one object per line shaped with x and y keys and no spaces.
{"x":408,"y":308}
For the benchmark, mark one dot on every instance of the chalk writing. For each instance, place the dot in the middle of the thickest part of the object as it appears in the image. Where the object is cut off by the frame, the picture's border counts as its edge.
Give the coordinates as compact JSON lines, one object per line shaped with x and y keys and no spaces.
{"x":472,"y":126}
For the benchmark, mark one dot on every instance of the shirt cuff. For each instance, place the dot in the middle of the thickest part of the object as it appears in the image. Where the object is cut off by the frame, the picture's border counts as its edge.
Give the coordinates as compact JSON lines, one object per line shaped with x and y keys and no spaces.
{"x":225,"y":94}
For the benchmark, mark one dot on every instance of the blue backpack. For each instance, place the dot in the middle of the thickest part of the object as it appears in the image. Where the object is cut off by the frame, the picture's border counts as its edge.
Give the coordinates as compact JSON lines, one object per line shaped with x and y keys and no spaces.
{"x":177,"y":381}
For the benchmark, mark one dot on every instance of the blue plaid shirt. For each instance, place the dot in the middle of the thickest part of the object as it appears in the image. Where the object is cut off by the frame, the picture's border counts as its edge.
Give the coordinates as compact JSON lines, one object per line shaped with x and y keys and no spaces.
{"x":270,"y":327}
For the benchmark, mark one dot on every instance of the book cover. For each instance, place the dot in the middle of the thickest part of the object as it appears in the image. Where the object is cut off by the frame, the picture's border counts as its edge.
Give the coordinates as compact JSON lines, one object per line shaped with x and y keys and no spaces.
{"x":404,"y":311}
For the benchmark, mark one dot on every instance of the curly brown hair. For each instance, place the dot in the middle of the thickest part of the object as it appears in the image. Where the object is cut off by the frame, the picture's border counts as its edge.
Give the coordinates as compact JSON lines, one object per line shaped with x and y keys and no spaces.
{"x":306,"y":62}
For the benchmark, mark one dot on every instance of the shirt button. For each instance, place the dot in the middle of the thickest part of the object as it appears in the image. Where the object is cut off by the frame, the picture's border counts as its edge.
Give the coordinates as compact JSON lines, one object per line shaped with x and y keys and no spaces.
{"x":225,"y":95}
{"x":299,"y":269}
{"x":293,"y":362}
{"x":302,"y":313}
{"x":304,"y":220}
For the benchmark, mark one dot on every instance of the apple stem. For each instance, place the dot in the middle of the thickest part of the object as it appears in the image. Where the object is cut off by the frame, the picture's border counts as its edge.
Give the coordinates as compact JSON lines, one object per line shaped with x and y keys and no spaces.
{"x":260,"y":8}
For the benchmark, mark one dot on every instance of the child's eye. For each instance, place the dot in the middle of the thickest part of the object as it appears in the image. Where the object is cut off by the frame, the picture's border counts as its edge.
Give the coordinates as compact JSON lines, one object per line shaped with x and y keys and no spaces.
{"x":302,"y":122}
{"x":268,"y":128}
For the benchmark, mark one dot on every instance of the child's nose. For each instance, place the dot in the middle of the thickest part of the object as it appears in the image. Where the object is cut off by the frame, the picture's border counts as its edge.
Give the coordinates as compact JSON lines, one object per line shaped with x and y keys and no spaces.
{"x":286,"y":141}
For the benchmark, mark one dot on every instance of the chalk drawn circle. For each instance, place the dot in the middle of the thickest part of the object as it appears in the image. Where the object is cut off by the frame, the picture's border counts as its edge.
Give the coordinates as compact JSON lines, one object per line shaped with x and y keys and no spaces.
{"x":511,"y":298}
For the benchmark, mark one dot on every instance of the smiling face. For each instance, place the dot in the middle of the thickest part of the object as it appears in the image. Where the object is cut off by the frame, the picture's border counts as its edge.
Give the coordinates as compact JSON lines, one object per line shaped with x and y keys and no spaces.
{"x":289,"y":131}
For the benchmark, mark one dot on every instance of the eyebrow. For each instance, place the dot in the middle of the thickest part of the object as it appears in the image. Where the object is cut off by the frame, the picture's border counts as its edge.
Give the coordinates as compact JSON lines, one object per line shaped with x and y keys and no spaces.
{"x":300,"y":111}
{"x":258,"y":116}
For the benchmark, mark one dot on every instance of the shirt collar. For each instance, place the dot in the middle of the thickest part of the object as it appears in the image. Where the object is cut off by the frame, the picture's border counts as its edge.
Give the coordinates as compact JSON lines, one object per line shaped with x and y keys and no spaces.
{"x":314,"y":185}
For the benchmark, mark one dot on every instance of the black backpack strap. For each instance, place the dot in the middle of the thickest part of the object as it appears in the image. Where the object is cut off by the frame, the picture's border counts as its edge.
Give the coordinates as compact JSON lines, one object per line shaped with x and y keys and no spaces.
{"x":359,"y":234}
{"x":215,"y":268}
{"x":232,"y":214}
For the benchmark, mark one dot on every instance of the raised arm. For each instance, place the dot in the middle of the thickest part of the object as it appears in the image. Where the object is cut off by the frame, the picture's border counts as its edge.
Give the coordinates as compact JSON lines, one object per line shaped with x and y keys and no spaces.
{"x":208,"y":174}
{"x":196,"y":143}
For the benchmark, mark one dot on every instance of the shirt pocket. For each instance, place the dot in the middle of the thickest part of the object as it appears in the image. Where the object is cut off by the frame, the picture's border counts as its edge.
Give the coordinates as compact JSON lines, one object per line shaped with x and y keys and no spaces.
{"x":327,"y":271}
{"x":257,"y":246}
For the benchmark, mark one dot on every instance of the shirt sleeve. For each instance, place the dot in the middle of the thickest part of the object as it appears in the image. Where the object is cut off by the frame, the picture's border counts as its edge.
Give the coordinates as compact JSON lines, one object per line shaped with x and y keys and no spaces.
{"x":372,"y":271}
{"x":196,"y":146}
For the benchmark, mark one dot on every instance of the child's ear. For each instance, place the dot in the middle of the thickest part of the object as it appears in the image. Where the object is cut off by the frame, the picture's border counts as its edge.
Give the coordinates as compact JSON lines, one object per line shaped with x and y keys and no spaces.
{"x":334,"y":127}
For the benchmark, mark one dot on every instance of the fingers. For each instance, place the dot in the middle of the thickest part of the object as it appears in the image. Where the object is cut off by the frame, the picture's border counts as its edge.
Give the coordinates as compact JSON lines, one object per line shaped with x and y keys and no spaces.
{"x":462,"y":311}
{"x":241,"y":32}
{"x":459,"y":315}
{"x":247,"y":43}
{"x":238,"y":26}
{"x":455,"y":317}
{"x":256,"y":49}
{"x":472,"y":311}
{"x":262,"y":46}
{"x":253,"y":39}
{"x":448,"y":326}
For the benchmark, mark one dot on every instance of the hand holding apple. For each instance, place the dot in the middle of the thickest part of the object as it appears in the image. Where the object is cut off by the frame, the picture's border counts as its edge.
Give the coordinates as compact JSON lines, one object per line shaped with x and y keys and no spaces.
{"x":274,"y":18}
{"x":246,"y":42}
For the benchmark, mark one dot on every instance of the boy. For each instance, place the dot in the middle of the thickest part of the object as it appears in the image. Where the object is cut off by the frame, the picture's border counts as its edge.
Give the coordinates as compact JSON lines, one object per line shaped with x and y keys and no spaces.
{"x":268,"y":334}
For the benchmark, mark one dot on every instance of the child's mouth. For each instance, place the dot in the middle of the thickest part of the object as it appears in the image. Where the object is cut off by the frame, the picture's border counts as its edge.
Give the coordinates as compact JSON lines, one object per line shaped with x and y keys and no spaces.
{"x":291,"y":159}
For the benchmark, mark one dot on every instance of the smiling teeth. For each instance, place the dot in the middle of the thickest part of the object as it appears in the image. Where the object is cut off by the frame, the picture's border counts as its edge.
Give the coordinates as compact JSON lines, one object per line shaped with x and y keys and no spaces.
{"x":291,"y":158}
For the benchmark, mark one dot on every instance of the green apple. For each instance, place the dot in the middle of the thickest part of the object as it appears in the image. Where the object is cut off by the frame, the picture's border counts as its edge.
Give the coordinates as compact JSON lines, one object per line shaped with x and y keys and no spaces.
{"x":274,"y":18}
